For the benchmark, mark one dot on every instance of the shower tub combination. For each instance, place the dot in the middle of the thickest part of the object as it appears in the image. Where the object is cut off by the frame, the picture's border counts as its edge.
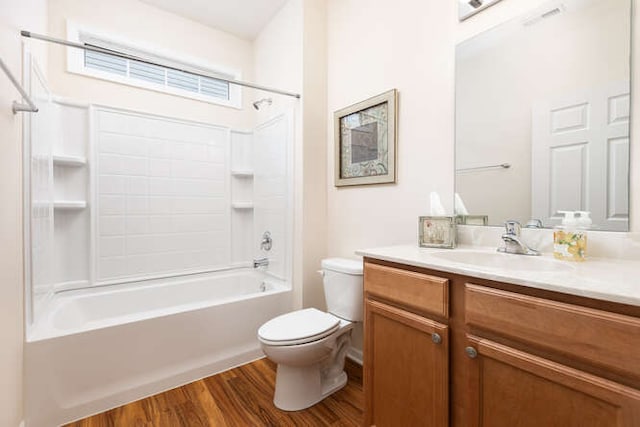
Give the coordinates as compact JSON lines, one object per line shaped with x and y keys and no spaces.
{"x":95,"y":349}
{"x":129,"y":197}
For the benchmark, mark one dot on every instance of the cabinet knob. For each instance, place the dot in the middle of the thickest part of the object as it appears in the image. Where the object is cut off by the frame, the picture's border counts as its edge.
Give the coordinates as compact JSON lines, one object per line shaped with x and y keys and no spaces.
{"x":436,"y":338}
{"x":471,"y":352}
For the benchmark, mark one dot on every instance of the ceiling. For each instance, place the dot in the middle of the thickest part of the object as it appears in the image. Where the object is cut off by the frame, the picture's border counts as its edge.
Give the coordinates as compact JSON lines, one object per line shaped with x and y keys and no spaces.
{"x":243,"y":18}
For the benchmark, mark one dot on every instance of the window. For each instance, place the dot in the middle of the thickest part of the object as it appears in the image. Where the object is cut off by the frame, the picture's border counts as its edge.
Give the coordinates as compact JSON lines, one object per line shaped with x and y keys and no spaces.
{"x":112,"y":67}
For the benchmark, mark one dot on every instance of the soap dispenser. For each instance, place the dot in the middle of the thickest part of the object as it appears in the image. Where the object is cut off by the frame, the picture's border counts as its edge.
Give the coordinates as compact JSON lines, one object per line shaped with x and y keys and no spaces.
{"x":584,"y":220}
{"x":570,"y":239}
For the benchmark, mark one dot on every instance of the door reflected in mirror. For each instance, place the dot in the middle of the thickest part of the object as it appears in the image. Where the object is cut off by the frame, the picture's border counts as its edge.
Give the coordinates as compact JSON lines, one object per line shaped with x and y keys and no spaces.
{"x":542,"y":116}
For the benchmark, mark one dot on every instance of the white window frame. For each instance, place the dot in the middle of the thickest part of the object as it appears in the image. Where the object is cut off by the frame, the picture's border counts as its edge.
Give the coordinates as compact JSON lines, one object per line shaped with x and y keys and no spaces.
{"x":75,"y":65}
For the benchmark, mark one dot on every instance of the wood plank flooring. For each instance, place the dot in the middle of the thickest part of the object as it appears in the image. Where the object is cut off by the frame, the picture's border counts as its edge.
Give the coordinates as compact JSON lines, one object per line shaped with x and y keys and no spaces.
{"x":238,"y":397}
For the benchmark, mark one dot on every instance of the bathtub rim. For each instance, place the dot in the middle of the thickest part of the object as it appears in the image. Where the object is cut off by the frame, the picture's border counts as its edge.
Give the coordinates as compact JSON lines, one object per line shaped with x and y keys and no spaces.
{"x":43,"y":327}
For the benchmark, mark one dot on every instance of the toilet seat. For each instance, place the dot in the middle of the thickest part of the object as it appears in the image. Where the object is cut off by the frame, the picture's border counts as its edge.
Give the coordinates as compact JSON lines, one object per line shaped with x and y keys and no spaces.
{"x":298,"y":327}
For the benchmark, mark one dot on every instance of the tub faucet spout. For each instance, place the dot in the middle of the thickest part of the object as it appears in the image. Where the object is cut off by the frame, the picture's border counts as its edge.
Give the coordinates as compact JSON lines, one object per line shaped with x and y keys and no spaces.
{"x":260,"y":262}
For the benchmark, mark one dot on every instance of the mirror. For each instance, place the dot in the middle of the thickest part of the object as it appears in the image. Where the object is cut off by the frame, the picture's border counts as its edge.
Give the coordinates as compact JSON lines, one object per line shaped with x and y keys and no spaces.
{"x":468,"y":8}
{"x":542,"y":116}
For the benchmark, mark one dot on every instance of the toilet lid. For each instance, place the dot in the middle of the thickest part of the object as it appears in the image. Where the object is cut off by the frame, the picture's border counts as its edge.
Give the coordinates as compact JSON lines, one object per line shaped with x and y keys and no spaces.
{"x":299,"y":326}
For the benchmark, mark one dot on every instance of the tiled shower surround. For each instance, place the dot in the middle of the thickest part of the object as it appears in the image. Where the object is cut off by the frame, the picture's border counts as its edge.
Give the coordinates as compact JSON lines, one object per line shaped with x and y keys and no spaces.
{"x":163,"y":196}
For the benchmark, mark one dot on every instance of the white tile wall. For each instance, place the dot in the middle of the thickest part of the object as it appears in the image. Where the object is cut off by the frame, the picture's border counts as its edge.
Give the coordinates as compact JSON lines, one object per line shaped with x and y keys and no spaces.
{"x":271,"y":203}
{"x":162,"y":196}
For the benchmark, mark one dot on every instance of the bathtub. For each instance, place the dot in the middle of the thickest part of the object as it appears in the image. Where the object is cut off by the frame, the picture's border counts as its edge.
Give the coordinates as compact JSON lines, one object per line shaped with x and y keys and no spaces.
{"x":95,"y":349}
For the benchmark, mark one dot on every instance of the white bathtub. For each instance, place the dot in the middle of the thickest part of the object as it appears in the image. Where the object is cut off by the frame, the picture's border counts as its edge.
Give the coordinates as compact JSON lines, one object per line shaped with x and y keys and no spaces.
{"x":96,"y":349}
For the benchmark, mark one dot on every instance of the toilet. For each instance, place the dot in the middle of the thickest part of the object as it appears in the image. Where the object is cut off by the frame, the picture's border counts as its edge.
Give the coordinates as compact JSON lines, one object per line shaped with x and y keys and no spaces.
{"x":310,"y":345}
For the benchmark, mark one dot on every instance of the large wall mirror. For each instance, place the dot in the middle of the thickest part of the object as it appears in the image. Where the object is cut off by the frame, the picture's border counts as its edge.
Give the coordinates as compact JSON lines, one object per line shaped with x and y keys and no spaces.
{"x":542,"y":116}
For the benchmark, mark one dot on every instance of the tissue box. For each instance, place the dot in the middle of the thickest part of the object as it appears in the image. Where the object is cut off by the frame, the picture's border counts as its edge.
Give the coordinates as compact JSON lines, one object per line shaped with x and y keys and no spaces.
{"x":437,"y":232}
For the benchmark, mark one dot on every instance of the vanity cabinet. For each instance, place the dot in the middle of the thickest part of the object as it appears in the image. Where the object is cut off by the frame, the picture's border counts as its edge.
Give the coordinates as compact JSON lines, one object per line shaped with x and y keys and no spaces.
{"x":509,"y":387}
{"x":506,"y":356}
{"x":406,"y":368}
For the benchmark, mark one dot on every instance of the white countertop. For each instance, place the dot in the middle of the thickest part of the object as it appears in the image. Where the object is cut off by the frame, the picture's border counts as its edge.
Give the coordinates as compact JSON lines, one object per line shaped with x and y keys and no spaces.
{"x":600,"y":278}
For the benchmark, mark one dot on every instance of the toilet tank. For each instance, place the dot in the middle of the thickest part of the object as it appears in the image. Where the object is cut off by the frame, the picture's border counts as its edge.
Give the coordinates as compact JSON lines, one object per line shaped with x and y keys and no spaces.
{"x":342,"y":280}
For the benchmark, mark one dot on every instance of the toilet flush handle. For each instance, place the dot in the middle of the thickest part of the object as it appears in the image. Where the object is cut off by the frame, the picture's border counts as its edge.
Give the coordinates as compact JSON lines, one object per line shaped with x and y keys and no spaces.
{"x":321,"y":273}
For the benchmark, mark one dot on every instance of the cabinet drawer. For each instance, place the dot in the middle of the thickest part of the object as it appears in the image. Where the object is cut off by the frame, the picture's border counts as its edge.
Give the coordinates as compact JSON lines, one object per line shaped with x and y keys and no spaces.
{"x":597,"y":337}
{"x":416,"y":290}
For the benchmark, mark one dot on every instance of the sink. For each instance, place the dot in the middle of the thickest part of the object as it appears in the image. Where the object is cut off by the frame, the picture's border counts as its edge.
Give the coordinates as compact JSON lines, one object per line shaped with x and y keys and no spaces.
{"x":503,"y":261}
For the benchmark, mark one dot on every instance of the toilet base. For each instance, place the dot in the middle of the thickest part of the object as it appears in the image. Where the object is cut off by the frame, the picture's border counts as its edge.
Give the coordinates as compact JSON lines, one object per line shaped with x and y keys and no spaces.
{"x":335,"y":385}
{"x":299,"y":388}
{"x":307,"y":373}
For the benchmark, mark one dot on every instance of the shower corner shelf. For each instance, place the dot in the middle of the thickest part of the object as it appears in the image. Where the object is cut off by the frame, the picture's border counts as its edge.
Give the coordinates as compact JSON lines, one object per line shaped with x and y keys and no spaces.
{"x":242,"y":205}
{"x":69,"y":204}
{"x":73,"y":161}
{"x":242,"y":173}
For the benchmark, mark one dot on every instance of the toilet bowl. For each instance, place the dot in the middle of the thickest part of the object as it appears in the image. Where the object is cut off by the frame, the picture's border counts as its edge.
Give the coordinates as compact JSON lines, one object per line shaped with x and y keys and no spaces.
{"x":310,"y":345}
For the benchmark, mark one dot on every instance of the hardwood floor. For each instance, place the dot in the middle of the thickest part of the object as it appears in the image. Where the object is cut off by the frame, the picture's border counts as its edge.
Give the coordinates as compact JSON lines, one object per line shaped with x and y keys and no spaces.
{"x":238,"y":397}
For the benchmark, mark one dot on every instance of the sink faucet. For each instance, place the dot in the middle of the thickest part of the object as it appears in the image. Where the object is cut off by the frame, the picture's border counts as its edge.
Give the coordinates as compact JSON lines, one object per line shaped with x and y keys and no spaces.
{"x":260,"y":262}
{"x":512,"y":242}
{"x":534,"y":223}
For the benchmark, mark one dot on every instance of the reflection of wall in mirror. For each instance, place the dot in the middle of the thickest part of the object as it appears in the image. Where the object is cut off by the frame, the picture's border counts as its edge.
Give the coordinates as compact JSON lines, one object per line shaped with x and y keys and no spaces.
{"x":496,"y":88}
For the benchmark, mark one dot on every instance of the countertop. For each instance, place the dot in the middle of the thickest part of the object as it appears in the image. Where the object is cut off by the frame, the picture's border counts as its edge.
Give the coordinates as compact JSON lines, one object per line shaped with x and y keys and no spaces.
{"x":615,"y":280}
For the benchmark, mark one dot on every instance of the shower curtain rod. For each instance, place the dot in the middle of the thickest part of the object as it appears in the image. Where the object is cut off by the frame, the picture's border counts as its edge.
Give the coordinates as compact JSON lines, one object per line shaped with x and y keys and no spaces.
{"x":89,"y":47}
{"x":29,"y":107}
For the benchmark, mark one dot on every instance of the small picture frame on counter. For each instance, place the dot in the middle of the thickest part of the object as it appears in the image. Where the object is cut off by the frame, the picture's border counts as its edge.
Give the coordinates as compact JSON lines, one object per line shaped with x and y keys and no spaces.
{"x":437,"y":232}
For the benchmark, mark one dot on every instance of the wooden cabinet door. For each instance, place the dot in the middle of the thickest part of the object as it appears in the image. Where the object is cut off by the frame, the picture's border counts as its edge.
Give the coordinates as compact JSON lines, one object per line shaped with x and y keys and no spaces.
{"x":512,"y":388}
{"x":406,"y":368}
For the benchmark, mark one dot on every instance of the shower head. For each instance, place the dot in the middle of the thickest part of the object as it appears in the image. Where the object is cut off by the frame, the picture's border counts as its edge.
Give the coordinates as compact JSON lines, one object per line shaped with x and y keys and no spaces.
{"x":259,"y":103}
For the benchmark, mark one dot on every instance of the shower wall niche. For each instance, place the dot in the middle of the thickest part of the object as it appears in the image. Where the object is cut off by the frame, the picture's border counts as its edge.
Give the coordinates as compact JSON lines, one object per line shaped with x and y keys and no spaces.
{"x":241,"y":195}
{"x":71,"y":218}
{"x":57,"y":175}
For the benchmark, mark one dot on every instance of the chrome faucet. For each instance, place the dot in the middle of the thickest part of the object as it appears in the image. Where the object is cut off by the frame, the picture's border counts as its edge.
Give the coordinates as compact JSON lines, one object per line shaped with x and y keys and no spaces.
{"x":260,"y":262}
{"x":534,"y":223}
{"x":512,"y":242}
{"x":266,"y":242}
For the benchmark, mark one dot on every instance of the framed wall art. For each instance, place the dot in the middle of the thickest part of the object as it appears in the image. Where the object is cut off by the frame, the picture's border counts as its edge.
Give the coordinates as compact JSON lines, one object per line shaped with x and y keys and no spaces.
{"x":365,"y":141}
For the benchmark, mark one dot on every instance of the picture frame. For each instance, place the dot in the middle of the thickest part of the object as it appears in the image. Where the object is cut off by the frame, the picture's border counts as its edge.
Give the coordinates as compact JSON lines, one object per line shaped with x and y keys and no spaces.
{"x":365,"y":141}
{"x":437,"y":232}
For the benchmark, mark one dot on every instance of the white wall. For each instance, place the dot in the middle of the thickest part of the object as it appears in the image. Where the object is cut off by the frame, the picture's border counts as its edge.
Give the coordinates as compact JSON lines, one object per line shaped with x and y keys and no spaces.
{"x":146,"y":25}
{"x":373,"y":47}
{"x":314,"y":119}
{"x":14,"y":16}
{"x":409,"y":45}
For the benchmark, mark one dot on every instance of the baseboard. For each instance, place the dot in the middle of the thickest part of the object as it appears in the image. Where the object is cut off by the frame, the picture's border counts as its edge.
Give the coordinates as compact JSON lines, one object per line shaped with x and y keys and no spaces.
{"x":355,"y":355}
